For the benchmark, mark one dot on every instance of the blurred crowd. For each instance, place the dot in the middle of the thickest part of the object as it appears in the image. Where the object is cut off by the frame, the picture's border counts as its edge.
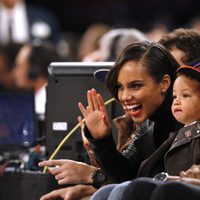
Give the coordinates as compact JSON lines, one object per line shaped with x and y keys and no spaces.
{"x":22,"y":25}
{"x":30,"y":39}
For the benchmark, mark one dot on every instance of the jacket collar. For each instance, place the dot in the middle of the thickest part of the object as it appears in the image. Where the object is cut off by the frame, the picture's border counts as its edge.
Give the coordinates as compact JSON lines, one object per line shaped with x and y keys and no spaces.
{"x":186,"y":134}
{"x":125,"y":127}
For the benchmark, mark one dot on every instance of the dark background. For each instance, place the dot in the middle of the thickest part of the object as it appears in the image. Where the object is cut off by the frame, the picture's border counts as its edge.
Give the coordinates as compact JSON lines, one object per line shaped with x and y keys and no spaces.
{"x":77,"y":15}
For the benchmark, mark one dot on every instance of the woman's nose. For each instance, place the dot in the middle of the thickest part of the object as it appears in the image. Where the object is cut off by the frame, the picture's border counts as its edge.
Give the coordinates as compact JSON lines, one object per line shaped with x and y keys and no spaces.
{"x":126,"y":95}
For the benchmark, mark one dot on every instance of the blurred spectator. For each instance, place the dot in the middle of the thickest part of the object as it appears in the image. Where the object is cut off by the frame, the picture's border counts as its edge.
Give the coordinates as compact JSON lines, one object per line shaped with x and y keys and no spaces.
{"x":157,"y":31}
{"x":31,"y":71}
{"x":68,"y":45}
{"x":7,"y":64}
{"x":183,"y":44}
{"x":20,"y":23}
{"x":112,"y":42}
{"x":158,"y":26}
{"x":90,"y":39}
{"x":195,"y":23}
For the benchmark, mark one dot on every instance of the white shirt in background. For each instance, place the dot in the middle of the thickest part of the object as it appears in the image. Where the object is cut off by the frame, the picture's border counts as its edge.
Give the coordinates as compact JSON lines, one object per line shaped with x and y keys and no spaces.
{"x":20,"y":30}
{"x":40,"y":102}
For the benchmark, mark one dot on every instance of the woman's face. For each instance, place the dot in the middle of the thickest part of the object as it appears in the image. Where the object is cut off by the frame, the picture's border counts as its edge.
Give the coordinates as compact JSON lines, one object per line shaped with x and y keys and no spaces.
{"x":138,"y":92}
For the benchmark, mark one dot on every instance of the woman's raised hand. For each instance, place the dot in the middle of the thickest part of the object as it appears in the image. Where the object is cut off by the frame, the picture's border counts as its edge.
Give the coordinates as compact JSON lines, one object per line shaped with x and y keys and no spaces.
{"x":95,"y":114}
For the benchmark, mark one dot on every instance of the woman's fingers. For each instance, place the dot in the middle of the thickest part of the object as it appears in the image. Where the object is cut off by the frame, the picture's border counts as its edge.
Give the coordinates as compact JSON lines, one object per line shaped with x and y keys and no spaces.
{"x":55,"y":164}
{"x":51,"y":163}
{"x":183,"y":174}
{"x":85,"y":141}
{"x":95,"y":100}
{"x":83,"y":110}
{"x":53,"y":195}
{"x":57,"y":170}
{"x":60,"y":176}
{"x":102,"y":106}
{"x":93,"y":103}
{"x":101,"y":103}
{"x":193,"y":172}
{"x":90,"y":107}
{"x":81,"y":122}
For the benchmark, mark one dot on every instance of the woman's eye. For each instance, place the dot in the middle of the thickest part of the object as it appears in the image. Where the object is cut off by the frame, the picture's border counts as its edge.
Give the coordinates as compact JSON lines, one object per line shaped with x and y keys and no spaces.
{"x":136,"y":86}
{"x":174,"y":97}
{"x":120,"y":87}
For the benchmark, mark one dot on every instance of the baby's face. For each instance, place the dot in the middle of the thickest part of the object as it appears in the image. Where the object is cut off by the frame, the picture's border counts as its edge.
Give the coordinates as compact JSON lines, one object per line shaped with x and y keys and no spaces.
{"x":186,"y":100}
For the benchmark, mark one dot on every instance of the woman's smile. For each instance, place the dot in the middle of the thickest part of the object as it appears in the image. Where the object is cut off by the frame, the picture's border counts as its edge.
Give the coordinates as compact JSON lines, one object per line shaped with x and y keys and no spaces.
{"x":133,"y":109}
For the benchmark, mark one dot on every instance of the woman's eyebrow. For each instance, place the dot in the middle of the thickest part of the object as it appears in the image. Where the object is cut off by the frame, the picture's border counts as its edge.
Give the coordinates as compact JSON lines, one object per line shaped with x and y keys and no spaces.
{"x":135,"y":81}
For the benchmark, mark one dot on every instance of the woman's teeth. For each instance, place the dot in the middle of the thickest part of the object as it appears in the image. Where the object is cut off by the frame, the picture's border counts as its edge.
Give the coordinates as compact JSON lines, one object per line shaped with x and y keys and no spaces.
{"x":133,"y":107}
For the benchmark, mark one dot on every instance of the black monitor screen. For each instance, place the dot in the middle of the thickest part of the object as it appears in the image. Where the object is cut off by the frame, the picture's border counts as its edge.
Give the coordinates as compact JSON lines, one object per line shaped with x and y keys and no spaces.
{"x":68,"y":83}
{"x":17,"y":120}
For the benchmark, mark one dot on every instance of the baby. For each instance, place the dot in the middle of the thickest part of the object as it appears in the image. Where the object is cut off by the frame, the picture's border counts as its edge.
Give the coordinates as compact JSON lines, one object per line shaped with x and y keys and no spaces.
{"x":186,"y":110}
{"x":186,"y":95}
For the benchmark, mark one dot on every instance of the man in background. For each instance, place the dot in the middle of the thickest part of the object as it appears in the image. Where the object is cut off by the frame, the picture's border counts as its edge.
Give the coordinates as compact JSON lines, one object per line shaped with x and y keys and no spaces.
{"x":21,"y":23}
{"x":31,"y":73}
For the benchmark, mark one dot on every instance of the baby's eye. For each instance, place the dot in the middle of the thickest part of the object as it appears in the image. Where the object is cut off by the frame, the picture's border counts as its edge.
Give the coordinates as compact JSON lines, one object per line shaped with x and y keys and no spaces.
{"x":186,"y":95}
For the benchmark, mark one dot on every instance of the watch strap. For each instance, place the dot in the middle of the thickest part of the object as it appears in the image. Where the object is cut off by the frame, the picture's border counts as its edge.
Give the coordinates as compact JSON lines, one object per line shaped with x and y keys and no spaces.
{"x":98,"y":178}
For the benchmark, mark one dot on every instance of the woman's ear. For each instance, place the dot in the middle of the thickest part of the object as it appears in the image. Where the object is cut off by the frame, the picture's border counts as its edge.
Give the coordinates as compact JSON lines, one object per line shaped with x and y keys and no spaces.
{"x":165,"y":83}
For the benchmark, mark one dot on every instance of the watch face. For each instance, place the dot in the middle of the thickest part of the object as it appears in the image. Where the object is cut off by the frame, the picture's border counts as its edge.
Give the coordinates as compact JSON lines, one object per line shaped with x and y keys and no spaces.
{"x":100,"y":176}
{"x":161,"y":176}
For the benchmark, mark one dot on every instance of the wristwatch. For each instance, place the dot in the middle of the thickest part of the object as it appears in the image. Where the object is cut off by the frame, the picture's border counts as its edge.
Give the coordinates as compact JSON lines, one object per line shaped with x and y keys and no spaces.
{"x":161,"y":176}
{"x":98,"y":178}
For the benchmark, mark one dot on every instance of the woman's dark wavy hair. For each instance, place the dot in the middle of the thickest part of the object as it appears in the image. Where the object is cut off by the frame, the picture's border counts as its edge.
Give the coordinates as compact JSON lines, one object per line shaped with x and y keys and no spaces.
{"x":153,"y":56}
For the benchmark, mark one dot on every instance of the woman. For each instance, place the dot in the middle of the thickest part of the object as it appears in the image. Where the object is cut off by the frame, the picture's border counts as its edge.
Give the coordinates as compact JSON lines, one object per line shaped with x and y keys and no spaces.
{"x":141,"y":80}
{"x":141,"y":70}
